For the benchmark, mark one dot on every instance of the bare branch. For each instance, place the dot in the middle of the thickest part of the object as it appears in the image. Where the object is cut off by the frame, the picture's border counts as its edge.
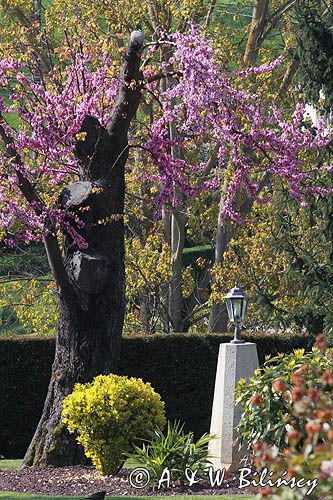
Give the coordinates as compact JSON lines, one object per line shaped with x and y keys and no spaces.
{"x":276,"y":17}
{"x":210,"y":12}
{"x":129,"y":93}
{"x":288,"y":77}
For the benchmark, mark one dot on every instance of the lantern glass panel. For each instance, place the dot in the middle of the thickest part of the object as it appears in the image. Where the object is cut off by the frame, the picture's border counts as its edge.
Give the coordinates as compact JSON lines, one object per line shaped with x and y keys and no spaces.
{"x":230,"y":310}
{"x":244,"y":308}
{"x":237,"y":309}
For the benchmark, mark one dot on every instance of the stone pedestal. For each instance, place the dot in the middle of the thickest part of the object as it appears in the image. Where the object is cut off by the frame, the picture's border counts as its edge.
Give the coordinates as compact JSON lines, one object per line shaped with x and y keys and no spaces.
{"x":235,"y":361}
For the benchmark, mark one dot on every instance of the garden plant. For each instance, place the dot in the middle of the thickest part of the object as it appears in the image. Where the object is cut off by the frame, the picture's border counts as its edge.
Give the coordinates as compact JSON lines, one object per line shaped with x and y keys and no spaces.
{"x":288,"y":420}
{"x":110,"y":415}
{"x":175,"y":450}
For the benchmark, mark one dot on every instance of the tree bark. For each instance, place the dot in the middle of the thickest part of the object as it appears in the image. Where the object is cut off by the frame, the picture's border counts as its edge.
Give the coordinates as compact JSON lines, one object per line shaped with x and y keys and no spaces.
{"x":288,"y":77}
{"x":218,"y":317}
{"x":259,"y":21}
{"x":92,"y":287}
{"x":164,"y":287}
{"x":262,"y":25}
{"x":86,"y":346}
{"x":176,"y":298}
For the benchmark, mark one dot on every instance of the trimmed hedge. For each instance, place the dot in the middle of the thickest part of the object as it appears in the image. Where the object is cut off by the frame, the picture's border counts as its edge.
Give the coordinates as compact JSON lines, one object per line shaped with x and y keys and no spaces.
{"x":191,"y":254}
{"x":25,"y":369}
{"x":180,"y":367}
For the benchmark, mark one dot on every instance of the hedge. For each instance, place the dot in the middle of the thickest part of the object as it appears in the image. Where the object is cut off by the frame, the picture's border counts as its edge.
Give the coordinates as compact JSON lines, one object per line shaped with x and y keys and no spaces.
{"x":181,"y":367}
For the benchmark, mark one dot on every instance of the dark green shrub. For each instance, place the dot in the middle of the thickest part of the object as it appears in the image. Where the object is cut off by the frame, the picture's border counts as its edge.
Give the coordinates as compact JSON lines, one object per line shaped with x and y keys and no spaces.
{"x":174,"y":450}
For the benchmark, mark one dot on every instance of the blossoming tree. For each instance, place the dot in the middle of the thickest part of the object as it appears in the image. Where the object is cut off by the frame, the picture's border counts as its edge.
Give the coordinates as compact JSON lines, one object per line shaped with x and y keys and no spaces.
{"x":65,"y":147}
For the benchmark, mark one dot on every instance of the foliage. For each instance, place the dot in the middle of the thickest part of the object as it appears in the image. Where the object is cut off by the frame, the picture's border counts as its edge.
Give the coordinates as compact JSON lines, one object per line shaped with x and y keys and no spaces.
{"x":9,"y":321}
{"x":283,"y":256}
{"x":172,"y":363}
{"x":270,"y":401}
{"x":32,"y":302}
{"x":175,"y":450}
{"x":309,"y":447}
{"x":109,"y":415}
{"x":27,"y":293}
{"x":315,"y":50}
{"x":303,"y":238}
{"x":26,"y":261}
{"x":26,"y":364}
{"x":147,"y":268}
{"x":90,"y":29}
{"x":56,"y":107}
{"x":206,"y":97}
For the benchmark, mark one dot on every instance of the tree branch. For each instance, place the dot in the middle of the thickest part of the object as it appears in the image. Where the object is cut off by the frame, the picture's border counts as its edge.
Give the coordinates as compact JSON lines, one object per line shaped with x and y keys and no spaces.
{"x":129,"y":93}
{"x":31,"y":33}
{"x":162,"y":74}
{"x":288,"y":76}
{"x":210,"y":12}
{"x":276,"y":17}
{"x":50,"y":240}
{"x":258,"y":24}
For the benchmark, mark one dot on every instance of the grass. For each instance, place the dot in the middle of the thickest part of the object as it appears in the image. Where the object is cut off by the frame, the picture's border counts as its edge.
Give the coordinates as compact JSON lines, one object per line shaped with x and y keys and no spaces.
{"x":24,"y":496}
{"x":15,"y":463}
{"x":10,"y":464}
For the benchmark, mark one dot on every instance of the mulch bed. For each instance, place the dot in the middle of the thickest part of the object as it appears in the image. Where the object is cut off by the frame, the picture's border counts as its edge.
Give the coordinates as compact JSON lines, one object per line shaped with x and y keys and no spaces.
{"x":83,"y":481}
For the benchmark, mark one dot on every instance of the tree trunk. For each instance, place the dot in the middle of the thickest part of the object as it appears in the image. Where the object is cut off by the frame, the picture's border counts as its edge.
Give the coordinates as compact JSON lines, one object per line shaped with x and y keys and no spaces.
{"x":218,"y":317}
{"x":86,"y":346}
{"x":258,"y":24}
{"x":176,"y":298}
{"x":288,"y":77}
{"x":164,"y":287}
{"x":91,"y":282}
{"x":147,"y":310}
{"x":178,"y":232}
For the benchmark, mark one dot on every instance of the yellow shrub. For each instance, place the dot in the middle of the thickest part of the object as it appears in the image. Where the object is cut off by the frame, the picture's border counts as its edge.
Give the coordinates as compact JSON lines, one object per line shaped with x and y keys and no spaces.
{"x":109,"y":414}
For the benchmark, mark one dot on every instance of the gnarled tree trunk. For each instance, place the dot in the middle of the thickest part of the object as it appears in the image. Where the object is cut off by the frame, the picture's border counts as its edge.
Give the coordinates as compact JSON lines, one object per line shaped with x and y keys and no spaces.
{"x":91,"y":282}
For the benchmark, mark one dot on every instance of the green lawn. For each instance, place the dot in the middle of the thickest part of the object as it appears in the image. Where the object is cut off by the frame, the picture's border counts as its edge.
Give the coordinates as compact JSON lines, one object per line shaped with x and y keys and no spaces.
{"x":15,"y":463}
{"x":15,"y":496}
{"x":10,"y":464}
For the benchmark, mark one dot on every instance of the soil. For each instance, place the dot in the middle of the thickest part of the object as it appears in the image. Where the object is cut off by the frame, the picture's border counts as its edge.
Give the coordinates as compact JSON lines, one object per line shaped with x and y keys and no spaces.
{"x":84,"y":480}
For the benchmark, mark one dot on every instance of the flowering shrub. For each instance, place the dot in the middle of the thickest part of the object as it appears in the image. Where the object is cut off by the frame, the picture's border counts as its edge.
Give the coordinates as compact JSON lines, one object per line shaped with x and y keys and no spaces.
{"x":273,"y":399}
{"x":309,"y":441}
{"x":309,"y":452}
{"x":212,"y":107}
{"x":109,"y":414}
